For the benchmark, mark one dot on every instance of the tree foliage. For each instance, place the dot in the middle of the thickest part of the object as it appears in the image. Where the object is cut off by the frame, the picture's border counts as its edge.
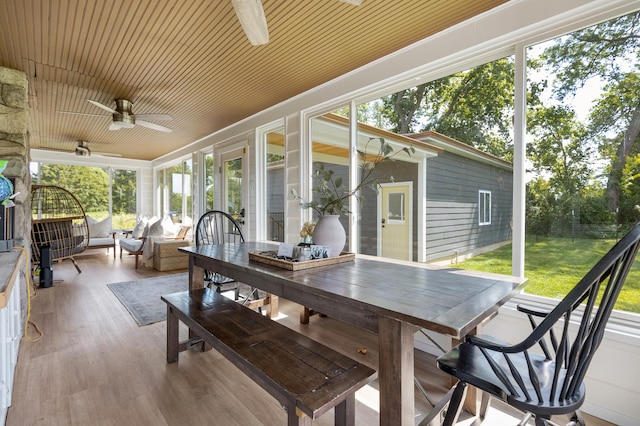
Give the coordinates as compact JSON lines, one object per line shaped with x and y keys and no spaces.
{"x":90,"y":185}
{"x":473,"y":106}
{"x":603,"y":52}
{"x":123,"y":190}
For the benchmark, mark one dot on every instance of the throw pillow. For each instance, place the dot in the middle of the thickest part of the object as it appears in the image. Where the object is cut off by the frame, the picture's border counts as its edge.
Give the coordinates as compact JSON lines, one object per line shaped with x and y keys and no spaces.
{"x":156,"y":229}
{"x":99,"y":229}
{"x":147,"y":229}
{"x":139,"y":228}
{"x":169,"y":228}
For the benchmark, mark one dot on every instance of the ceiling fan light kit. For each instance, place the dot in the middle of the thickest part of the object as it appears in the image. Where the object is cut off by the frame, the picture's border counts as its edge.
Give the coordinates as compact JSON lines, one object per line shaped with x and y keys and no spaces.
{"x":253,"y":20}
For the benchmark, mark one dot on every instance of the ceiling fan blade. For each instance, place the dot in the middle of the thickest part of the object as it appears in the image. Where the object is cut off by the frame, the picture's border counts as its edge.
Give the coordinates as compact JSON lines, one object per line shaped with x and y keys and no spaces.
{"x":81,"y":113}
{"x":156,"y":117}
{"x":252,"y":19}
{"x":105,"y":154}
{"x":104,"y":107}
{"x":154,"y":126}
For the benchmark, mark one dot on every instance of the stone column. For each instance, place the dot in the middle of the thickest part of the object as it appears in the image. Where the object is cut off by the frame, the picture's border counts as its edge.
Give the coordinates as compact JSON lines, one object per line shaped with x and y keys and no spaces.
{"x":14,"y":146}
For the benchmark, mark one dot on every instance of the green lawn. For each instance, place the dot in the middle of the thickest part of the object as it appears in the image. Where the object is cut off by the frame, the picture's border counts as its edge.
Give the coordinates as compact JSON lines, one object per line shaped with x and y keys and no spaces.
{"x":554,"y":265}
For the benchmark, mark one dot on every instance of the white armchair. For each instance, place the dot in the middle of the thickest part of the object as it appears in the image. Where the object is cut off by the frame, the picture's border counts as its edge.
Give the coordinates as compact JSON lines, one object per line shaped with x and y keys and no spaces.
{"x":140,"y":244}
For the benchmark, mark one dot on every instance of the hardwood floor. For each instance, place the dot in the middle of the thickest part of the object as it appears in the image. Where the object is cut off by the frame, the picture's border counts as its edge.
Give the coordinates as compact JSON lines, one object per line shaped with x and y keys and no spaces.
{"x":96,"y":366}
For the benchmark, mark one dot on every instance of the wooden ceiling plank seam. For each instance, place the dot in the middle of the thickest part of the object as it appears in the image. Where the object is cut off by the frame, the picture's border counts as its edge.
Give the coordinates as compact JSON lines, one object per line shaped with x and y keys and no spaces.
{"x":126,"y":17}
{"x":199,"y":74}
{"x":113,"y":41}
{"x":103,"y":43}
{"x":205,"y":36}
{"x":123,"y":71}
{"x":176,"y":47}
{"x":62,"y":34}
{"x":189,"y":56}
{"x":79,"y":35}
{"x":24,"y":29}
{"x":53,"y":36}
{"x":152,"y":55}
{"x":84,"y":55}
{"x":147,"y":45}
{"x":46,"y":24}
{"x":11,"y":47}
{"x":38,"y":30}
{"x":157,"y":42}
{"x":96,"y":42}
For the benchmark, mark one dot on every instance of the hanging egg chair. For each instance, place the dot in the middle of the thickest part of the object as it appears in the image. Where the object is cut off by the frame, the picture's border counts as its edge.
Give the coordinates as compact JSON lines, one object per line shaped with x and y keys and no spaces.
{"x":58,"y":221}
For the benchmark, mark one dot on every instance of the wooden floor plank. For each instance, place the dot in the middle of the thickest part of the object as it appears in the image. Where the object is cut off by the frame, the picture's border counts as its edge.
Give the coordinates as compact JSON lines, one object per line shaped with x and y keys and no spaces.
{"x":96,"y":366}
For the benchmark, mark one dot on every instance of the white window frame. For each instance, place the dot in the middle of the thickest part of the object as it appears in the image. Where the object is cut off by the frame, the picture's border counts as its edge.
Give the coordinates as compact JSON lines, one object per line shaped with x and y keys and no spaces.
{"x":483,"y":211}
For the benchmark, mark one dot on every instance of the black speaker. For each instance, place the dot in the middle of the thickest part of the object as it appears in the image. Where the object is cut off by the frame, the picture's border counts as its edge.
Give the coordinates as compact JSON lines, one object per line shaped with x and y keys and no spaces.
{"x":46,"y":277}
{"x":46,"y":272}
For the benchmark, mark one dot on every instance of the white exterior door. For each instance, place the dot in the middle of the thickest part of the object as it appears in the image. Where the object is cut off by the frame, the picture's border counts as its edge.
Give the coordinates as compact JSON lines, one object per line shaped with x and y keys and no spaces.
{"x":395,"y":207}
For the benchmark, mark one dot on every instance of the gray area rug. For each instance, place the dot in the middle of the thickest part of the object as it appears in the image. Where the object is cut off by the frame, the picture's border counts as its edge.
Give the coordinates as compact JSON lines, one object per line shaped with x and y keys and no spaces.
{"x":142,"y":297}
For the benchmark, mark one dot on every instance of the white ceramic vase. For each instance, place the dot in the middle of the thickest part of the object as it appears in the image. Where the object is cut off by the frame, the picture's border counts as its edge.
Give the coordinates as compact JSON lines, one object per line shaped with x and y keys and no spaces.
{"x":330,"y":232}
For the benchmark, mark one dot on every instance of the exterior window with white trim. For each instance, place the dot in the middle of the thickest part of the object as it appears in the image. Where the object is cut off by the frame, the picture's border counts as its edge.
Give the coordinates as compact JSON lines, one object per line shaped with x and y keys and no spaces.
{"x":484,"y":207}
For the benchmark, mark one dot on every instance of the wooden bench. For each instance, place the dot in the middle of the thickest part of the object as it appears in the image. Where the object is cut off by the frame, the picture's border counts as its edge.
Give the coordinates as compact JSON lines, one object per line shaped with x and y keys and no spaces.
{"x":307,"y":378}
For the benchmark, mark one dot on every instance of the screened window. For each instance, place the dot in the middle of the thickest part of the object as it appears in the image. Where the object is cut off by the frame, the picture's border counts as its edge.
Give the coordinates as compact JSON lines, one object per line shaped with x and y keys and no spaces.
{"x":102,"y":192}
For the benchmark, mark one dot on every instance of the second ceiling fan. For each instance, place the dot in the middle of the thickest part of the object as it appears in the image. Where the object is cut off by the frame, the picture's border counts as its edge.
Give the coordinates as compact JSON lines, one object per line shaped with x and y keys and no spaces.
{"x":124,"y":118}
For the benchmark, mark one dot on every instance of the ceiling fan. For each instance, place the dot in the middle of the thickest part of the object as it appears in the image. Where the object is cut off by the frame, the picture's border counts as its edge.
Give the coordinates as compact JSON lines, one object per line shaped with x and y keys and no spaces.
{"x":124,"y":118}
{"x":82,"y":150}
{"x":254,"y":22}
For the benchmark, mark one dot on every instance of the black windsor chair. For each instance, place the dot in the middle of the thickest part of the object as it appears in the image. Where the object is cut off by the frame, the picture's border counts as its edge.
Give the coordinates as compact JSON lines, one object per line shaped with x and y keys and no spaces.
{"x":548,"y":381}
{"x":218,"y":227}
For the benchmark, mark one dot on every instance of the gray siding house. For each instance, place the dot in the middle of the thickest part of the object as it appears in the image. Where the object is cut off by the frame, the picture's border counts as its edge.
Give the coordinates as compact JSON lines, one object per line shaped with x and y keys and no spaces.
{"x":459,"y":198}
{"x":469,"y":200}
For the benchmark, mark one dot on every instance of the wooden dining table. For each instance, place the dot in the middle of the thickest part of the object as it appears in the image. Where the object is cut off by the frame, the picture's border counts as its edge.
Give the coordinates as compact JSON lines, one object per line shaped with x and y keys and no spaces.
{"x":392,"y":298}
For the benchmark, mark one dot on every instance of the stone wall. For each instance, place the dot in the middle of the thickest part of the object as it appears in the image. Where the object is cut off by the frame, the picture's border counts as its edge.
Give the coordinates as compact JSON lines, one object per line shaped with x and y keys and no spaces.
{"x":14,"y":147}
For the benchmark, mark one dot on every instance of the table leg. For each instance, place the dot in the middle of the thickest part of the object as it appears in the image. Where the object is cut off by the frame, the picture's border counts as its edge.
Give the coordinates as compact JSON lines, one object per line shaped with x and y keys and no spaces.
{"x":196,"y":281}
{"x":172,"y":336}
{"x":473,"y":399}
{"x":196,"y":275}
{"x":396,"y":372}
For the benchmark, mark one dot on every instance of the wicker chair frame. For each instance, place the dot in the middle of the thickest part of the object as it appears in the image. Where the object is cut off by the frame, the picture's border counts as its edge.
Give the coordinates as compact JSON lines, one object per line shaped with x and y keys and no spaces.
{"x":58,"y":221}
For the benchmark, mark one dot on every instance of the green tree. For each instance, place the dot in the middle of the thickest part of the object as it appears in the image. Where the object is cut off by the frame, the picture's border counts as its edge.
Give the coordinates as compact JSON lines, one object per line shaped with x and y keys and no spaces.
{"x":123,"y":192}
{"x":90,"y":185}
{"x":473,"y":106}
{"x":558,"y":151}
{"x":603,"y":52}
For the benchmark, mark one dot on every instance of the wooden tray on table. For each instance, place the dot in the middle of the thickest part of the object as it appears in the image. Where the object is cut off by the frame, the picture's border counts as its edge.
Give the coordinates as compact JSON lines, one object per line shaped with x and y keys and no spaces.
{"x":270,"y":258}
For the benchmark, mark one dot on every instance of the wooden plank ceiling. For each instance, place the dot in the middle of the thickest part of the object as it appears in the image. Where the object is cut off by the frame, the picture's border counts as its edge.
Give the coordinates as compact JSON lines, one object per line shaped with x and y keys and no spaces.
{"x":190,"y":59}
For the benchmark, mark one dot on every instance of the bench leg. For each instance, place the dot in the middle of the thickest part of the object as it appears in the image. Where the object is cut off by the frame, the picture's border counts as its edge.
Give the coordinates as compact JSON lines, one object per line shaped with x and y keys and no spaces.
{"x":272,"y":307}
{"x":345,"y":412}
{"x":304,"y":315}
{"x":172,"y":336}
